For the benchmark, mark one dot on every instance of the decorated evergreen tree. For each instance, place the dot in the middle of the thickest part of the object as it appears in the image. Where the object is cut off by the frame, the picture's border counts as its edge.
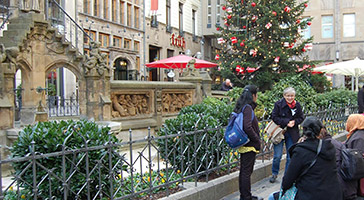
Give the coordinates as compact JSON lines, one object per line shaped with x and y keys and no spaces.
{"x":262,"y":41}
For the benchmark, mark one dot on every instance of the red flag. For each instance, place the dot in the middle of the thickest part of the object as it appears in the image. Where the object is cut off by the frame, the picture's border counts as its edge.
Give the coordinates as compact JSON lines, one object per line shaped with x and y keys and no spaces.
{"x":154,"y":5}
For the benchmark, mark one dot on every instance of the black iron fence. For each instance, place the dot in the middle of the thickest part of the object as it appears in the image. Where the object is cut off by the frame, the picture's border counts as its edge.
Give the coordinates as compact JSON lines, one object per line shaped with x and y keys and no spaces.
{"x":59,"y":106}
{"x":140,"y":168}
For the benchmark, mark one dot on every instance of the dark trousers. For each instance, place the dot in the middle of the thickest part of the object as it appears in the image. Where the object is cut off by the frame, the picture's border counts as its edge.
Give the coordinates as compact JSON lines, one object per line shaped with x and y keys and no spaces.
{"x":246,"y":169}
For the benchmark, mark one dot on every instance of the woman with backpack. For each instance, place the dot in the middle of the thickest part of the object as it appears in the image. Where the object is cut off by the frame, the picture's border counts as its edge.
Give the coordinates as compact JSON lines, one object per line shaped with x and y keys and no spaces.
{"x":247,"y":100}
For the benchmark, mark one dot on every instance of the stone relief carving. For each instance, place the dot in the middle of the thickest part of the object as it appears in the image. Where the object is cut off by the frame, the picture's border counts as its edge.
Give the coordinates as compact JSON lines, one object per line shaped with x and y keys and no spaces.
{"x":56,"y":47}
{"x":29,"y":5}
{"x":96,"y":62}
{"x":8,"y":54}
{"x":124,"y":105}
{"x":174,"y":102}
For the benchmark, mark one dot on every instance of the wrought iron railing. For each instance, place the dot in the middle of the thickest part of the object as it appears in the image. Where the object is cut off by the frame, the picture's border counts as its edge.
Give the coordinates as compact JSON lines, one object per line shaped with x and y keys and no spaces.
{"x":60,"y":107}
{"x":65,"y":24}
{"x":150,"y":165}
{"x":5,"y":13}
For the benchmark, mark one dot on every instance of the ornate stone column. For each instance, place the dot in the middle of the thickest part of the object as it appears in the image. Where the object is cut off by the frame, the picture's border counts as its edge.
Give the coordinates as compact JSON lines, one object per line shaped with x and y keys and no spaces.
{"x":97,"y":73}
{"x":7,"y":95}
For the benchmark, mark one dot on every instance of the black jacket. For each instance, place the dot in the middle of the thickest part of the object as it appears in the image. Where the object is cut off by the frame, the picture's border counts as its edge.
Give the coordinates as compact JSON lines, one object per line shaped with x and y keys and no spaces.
{"x":282,"y":114}
{"x":361,"y":100}
{"x":251,"y":127}
{"x":356,"y":141}
{"x":320,"y":181}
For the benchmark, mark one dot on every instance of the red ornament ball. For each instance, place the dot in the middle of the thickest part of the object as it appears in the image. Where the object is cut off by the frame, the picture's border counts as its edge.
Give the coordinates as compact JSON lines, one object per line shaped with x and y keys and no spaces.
{"x":274,"y":13}
{"x":298,"y":21}
{"x":229,"y":16}
{"x":217,"y":28}
{"x":303,"y":49}
{"x":254,"y":4}
{"x":244,"y":27}
{"x":309,"y":23}
{"x":224,"y":8}
{"x":306,"y":5}
{"x":242,"y":44}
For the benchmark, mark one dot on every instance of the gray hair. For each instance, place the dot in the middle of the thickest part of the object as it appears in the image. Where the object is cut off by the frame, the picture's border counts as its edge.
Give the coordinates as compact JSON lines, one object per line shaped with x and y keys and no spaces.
{"x":289,"y":90}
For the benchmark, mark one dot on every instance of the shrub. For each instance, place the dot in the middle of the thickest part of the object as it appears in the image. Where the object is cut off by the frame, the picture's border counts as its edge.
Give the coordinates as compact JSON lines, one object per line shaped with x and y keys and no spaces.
{"x":336,"y":97}
{"x":181,"y":149}
{"x":48,"y":137}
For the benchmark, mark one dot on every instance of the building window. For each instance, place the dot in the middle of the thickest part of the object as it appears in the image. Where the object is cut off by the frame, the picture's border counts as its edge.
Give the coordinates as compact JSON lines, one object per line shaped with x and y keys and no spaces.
{"x":136,"y":17}
{"x":104,"y":40}
{"x":194,"y":24}
{"x":96,"y":7}
{"x":127,"y":43}
{"x":136,"y":46}
{"x":349,"y":25}
{"x":106,"y":9}
{"x":128,"y":13}
{"x":117,"y":41}
{"x":180,"y":8}
{"x":306,"y":33}
{"x":218,"y":12}
{"x":114,"y":10}
{"x":209,"y":14}
{"x":327,"y":26}
{"x":86,"y":6}
{"x":86,"y":39}
{"x":122,"y":12}
{"x":168,"y":15}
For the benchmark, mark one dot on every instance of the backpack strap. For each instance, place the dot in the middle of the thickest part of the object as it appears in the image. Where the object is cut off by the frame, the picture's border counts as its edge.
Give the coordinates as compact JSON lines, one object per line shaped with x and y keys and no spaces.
{"x":314,"y":161}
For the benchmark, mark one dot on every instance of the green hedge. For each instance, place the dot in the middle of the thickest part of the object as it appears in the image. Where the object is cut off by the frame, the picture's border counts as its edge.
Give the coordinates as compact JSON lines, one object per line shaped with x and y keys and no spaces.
{"x":48,"y":137}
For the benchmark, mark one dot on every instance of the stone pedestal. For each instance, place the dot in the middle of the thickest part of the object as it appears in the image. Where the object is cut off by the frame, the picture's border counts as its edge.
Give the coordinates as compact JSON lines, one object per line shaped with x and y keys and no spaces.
{"x":206,"y":83}
{"x":98,"y":105}
{"x":6,"y":113}
{"x":197,"y":80}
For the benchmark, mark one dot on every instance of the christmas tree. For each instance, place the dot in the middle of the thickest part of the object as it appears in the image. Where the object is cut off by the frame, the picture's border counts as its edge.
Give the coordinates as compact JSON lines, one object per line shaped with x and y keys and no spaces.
{"x":262,"y":41}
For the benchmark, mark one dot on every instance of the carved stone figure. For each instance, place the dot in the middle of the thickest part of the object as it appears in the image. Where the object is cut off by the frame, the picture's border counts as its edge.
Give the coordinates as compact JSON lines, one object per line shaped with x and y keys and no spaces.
{"x":97,"y":61}
{"x":8,"y":54}
{"x":190,"y":69}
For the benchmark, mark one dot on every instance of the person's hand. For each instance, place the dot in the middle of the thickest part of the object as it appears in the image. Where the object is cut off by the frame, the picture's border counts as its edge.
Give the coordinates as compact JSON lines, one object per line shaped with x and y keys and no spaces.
{"x":302,"y":139}
{"x":290,"y":124}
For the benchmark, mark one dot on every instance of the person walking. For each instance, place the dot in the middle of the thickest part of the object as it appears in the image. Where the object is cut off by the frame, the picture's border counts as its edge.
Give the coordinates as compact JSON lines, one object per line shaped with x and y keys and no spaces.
{"x":287,"y":112}
{"x":248,"y":152}
{"x":312,"y":168}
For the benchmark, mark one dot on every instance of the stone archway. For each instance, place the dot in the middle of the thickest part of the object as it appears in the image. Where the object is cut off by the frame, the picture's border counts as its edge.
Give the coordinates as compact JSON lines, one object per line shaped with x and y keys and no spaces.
{"x":62,"y":83}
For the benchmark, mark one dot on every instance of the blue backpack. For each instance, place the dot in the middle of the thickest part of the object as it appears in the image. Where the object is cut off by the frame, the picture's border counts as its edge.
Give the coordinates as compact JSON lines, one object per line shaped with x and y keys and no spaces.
{"x":235,"y":135}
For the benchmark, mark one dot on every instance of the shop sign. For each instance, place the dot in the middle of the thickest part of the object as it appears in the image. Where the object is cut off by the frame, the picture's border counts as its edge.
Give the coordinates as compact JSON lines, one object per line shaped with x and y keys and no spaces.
{"x":178,"y":41}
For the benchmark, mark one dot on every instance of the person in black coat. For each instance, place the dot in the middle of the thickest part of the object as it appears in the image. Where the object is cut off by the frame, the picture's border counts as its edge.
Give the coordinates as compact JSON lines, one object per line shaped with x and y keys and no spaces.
{"x":320,"y":181}
{"x":361,"y":100}
{"x":287,"y":113}
{"x":226,"y":85}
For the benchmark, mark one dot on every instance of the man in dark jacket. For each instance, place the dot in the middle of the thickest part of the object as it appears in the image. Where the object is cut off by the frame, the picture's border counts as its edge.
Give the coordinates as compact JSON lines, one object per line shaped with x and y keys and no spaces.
{"x":287,"y":113}
{"x":226,"y":85}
